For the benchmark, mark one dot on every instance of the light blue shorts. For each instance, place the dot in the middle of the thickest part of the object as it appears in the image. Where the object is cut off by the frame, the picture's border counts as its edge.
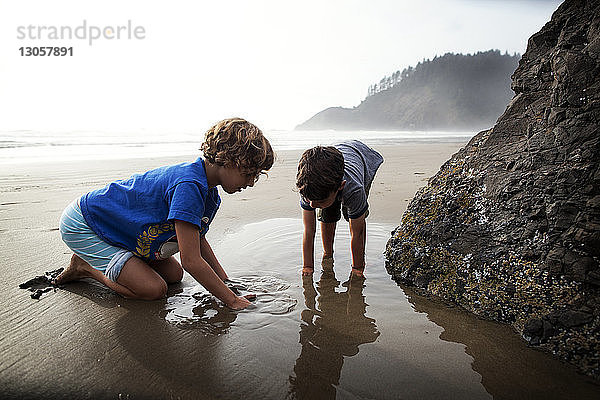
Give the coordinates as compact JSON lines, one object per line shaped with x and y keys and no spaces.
{"x":86,"y":244}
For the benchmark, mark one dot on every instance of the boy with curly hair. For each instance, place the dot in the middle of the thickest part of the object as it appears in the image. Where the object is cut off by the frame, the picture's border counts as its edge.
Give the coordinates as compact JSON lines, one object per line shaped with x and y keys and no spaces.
{"x":125,"y":234}
{"x":336,"y":180}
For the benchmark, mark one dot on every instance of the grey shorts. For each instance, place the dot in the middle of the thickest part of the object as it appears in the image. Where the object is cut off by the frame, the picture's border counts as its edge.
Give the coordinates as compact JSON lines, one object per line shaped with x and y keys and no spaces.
{"x":334,"y":212}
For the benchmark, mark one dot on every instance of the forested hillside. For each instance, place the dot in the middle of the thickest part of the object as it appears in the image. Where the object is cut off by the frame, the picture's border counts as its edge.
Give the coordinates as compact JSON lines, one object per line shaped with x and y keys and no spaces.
{"x":451,"y":92}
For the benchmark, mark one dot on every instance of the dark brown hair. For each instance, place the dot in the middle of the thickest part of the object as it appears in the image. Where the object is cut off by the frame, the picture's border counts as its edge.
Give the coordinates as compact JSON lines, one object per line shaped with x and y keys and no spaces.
{"x":320,"y":172}
{"x":235,"y":142}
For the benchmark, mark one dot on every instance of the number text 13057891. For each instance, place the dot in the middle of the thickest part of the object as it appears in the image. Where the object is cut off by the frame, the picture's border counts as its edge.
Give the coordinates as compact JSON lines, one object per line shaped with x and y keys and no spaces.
{"x":46,"y":51}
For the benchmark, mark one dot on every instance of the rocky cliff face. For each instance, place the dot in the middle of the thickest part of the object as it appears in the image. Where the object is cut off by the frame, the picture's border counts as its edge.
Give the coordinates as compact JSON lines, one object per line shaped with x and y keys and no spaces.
{"x":509,"y":228}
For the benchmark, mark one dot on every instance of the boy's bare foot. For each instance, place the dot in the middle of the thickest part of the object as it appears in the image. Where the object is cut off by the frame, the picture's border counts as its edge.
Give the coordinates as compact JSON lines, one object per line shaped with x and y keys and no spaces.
{"x":77,"y":269}
{"x":307,"y":271}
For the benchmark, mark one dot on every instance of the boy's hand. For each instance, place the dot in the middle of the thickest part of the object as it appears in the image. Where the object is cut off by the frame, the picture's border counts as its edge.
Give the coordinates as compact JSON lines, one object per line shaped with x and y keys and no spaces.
{"x":307,"y":271}
{"x":235,"y":286}
{"x":242,"y":302}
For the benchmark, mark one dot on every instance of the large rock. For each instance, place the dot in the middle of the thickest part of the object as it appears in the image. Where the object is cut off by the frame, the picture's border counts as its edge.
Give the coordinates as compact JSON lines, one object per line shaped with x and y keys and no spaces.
{"x":509,"y":228}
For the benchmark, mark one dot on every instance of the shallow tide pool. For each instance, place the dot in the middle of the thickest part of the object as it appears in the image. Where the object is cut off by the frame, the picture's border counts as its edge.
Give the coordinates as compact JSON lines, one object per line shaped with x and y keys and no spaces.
{"x":325,"y":337}
{"x":330,"y":336}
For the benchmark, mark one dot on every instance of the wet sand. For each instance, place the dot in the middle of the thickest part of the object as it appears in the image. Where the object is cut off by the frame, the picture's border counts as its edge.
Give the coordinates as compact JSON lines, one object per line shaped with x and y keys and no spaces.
{"x":319,"y":338}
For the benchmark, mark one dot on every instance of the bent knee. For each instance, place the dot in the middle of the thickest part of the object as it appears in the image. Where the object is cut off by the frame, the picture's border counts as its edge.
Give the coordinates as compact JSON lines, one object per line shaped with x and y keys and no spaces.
{"x":170,"y":269}
{"x":175,"y":275}
{"x":153,"y":291}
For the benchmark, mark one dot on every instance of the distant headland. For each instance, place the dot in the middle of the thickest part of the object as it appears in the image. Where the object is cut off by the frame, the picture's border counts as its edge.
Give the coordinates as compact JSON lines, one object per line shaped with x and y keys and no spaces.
{"x":450,"y":92}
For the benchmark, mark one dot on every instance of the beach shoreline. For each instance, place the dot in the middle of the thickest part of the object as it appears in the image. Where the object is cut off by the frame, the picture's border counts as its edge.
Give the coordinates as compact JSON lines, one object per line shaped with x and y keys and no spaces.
{"x":405,"y":169}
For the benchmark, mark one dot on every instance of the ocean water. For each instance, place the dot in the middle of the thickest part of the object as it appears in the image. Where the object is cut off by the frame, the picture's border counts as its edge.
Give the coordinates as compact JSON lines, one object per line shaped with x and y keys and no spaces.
{"x":27,"y":146}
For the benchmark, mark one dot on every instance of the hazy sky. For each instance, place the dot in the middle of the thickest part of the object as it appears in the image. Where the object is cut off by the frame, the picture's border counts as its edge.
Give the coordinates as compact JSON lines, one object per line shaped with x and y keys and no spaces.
{"x":274,"y":62}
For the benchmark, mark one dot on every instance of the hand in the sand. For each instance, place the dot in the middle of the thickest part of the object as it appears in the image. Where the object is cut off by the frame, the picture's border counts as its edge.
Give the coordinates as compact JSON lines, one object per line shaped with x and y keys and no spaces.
{"x":307,"y":271}
{"x":242,"y":302}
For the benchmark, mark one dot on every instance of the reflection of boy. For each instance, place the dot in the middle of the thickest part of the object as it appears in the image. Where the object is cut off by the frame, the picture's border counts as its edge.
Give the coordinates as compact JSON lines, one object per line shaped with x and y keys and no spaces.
{"x":330,"y":178}
{"x":333,"y":327}
{"x":125,"y":234}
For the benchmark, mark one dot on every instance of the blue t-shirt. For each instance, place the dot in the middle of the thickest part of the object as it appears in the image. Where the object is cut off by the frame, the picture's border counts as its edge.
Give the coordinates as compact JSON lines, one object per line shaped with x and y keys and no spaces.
{"x":138,"y":213}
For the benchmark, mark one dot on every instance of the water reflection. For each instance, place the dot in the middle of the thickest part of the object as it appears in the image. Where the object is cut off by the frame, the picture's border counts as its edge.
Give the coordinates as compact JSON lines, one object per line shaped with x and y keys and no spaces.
{"x":508,"y":368}
{"x":333,"y":326}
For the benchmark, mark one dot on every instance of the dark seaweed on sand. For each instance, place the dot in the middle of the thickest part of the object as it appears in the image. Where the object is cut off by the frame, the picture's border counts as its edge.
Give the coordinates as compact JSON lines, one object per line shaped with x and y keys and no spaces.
{"x":41,"y":283}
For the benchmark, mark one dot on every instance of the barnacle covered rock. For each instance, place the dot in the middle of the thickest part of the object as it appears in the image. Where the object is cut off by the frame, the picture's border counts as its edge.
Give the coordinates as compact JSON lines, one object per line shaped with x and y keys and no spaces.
{"x":509,"y":228}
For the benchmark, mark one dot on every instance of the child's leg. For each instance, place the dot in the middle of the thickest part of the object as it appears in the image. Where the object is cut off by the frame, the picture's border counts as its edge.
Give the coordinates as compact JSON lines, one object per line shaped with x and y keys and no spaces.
{"x":137,"y":279}
{"x":170,"y":269}
{"x":116,"y":268}
{"x":141,"y":280}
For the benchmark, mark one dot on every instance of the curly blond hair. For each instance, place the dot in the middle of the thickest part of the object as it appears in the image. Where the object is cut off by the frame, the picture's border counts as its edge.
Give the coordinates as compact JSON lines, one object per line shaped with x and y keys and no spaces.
{"x":235,"y":142}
